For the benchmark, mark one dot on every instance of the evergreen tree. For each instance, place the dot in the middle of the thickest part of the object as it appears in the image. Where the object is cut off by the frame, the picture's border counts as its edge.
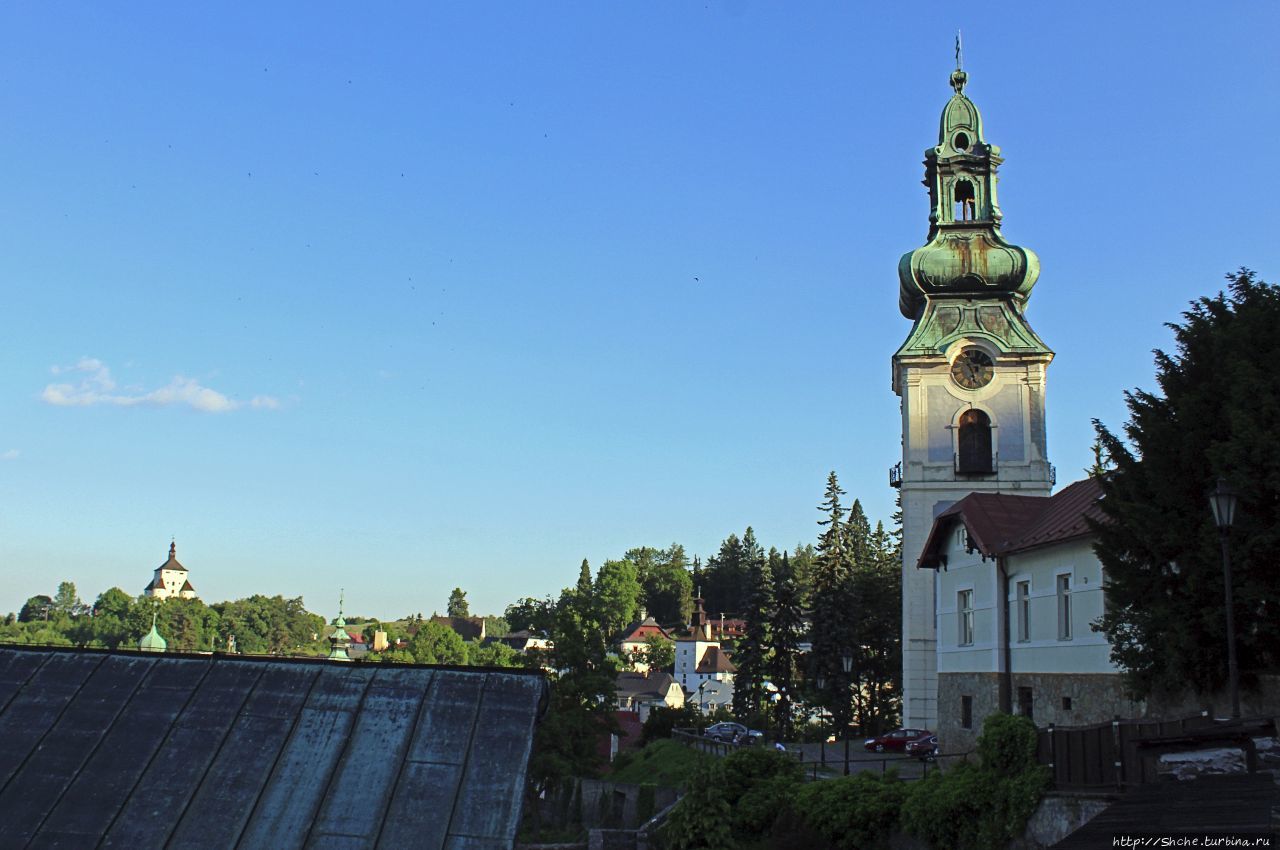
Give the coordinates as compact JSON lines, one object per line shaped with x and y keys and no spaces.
{"x":1214,"y":417}
{"x":458,"y":606}
{"x":752,"y":654}
{"x":724,"y":579}
{"x":877,"y":585}
{"x":667,"y":586}
{"x":786,"y":627}
{"x":830,"y":633}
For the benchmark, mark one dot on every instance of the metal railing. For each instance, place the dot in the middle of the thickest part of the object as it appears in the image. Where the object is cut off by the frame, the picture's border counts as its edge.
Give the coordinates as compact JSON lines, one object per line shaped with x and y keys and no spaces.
{"x":829,"y":763}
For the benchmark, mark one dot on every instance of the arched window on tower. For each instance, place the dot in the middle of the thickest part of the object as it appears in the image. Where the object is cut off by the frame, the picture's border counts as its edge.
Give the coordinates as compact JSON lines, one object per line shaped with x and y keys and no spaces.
{"x":973,"y":444}
{"x":964,"y":201}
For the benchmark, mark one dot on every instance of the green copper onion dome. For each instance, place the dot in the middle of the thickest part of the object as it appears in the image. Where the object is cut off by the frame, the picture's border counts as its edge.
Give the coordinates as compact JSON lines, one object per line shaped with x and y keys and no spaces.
{"x":151,"y":641}
{"x":965,"y":256}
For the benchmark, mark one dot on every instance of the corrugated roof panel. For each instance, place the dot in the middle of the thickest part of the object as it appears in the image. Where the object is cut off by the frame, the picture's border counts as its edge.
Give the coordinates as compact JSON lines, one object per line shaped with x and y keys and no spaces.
{"x":503,"y":736}
{"x":174,"y":773}
{"x":381,"y":736}
{"x":34,"y":710}
{"x":15,"y":669}
{"x":228,"y":792}
{"x":420,"y":807}
{"x":306,"y":768}
{"x":35,"y":788}
{"x":102,"y":786}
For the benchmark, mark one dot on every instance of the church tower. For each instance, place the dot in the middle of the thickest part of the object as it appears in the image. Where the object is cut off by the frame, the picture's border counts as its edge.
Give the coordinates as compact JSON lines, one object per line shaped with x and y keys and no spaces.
{"x":971,"y":374}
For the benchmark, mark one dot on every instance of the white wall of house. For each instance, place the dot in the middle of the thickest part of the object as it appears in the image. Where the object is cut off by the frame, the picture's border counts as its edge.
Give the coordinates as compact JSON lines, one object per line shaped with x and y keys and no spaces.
{"x":1050,"y":641}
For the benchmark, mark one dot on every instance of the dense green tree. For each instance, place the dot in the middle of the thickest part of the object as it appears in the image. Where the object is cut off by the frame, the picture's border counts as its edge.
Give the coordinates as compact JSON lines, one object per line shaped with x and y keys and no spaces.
{"x":187,"y":625}
{"x":35,"y":608}
{"x":1214,"y":416}
{"x":751,"y":656}
{"x":67,"y":602}
{"x":582,"y":693}
{"x":458,"y":606}
{"x":438,"y":644}
{"x":657,"y":654}
{"x":667,"y":585}
{"x":802,"y":558}
{"x":617,"y":594}
{"x":493,"y":654}
{"x":786,"y":630}
{"x":536,"y":615}
{"x":496,"y":626}
{"x":269,"y":625}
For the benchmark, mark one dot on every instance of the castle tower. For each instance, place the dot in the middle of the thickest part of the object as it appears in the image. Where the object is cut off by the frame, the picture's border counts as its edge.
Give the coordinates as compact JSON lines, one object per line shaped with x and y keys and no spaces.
{"x":971,"y":374}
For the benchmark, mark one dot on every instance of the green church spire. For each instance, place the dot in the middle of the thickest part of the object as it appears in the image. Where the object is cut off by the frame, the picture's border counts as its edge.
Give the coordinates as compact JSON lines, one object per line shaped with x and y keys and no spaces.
{"x":339,"y":640}
{"x":966,"y":274}
{"x":966,"y":253}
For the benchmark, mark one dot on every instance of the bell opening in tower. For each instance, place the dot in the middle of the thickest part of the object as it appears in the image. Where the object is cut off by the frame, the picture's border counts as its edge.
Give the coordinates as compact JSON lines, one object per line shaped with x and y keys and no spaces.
{"x":973,"y":444}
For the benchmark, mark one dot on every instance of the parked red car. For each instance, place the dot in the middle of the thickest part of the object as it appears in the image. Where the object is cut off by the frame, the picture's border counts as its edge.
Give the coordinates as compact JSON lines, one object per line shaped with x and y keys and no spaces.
{"x":896,"y":741}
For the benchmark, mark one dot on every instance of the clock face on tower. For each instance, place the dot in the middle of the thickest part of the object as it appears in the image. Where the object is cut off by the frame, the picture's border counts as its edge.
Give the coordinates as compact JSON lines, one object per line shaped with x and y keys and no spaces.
{"x":973,"y":369}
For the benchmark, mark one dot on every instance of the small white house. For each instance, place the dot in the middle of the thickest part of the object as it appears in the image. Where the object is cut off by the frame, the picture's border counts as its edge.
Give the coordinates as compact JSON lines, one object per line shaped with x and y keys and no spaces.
{"x":1018,"y":588}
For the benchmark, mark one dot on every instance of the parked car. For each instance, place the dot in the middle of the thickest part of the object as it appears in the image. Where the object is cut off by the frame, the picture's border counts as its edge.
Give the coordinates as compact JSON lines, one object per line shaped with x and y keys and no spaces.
{"x":925,"y":749}
{"x":733,"y":733}
{"x":896,"y":741}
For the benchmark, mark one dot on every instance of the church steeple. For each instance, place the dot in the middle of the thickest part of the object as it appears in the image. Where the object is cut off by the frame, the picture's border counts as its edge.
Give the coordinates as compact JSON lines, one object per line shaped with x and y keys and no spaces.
{"x":971,"y":373}
{"x":965,"y":254}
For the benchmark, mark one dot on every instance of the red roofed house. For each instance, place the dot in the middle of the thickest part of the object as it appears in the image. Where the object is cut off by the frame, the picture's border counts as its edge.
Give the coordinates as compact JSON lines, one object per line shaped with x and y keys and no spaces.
{"x":633,"y":640}
{"x":170,"y":579}
{"x":1017,"y":585}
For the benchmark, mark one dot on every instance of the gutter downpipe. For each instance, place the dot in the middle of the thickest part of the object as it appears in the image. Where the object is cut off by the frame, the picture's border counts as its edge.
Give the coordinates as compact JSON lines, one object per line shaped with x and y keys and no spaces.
{"x":1006,"y":652}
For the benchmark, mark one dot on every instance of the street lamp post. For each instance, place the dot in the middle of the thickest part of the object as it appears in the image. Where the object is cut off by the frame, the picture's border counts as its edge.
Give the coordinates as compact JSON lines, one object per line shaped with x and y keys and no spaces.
{"x":822,"y":747}
{"x":1223,"y":502}
{"x":846,"y":661}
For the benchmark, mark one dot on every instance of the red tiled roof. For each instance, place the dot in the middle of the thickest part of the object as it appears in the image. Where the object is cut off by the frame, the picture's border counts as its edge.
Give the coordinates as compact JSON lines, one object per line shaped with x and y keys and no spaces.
{"x":640,"y":631}
{"x":1000,"y":523}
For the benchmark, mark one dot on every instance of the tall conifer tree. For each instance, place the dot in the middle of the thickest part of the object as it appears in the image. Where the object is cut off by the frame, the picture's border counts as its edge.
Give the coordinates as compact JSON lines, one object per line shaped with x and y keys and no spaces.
{"x":786,"y":626}
{"x":748,"y":682}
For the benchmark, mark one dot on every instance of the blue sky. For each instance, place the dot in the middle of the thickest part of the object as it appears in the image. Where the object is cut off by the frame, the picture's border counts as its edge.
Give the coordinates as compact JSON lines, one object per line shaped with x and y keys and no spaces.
{"x":427,"y":295}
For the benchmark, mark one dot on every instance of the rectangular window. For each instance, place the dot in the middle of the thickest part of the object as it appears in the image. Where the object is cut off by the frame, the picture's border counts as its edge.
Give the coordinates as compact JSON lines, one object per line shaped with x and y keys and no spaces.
{"x":1023,"y":603}
{"x":966,"y":712}
{"x":1025,"y":702}
{"x":1066,"y":703}
{"x":1064,"y":606}
{"x":964,"y":610}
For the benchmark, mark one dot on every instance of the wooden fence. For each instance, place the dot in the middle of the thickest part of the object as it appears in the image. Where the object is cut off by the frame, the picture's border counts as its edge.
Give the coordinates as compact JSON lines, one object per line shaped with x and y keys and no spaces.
{"x":1125,"y":753}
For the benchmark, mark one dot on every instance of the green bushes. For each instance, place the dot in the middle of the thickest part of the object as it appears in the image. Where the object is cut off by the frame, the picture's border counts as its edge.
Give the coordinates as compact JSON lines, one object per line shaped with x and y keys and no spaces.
{"x":980,"y":806}
{"x":756,"y":798}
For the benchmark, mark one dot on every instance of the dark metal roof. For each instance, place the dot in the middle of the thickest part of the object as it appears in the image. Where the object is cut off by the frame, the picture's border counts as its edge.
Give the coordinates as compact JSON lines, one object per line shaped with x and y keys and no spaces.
{"x":116,"y":749}
{"x":715,"y":661}
{"x":1001,"y":524}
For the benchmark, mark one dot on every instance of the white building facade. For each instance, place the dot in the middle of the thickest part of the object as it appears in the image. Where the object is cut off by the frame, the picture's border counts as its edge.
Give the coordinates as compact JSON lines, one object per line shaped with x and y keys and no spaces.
{"x":1018,"y":588}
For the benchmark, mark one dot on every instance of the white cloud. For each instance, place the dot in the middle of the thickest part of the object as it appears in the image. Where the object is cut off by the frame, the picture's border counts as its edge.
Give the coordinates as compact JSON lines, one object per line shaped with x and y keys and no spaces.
{"x":11,"y":454}
{"x":96,"y":386}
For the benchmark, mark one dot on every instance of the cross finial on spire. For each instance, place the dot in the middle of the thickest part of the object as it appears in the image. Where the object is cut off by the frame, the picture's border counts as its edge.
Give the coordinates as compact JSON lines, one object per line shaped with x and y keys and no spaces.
{"x":342,"y":595}
{"x":958,"y":76}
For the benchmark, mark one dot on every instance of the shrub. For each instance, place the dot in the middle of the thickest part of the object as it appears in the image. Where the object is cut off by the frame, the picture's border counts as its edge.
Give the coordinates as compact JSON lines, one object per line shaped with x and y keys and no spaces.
{"x":701,"y":820}
{"x":975,"y":807}
{"x":849,"y":813}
